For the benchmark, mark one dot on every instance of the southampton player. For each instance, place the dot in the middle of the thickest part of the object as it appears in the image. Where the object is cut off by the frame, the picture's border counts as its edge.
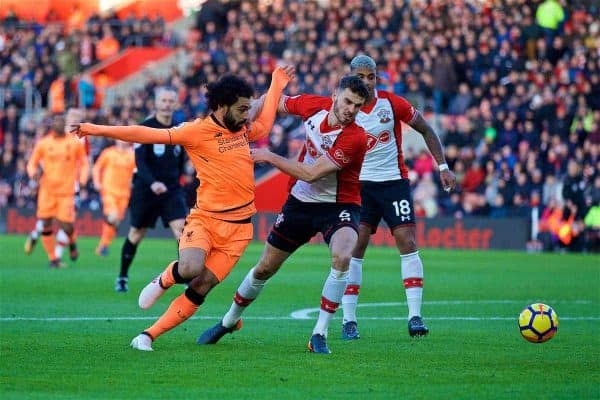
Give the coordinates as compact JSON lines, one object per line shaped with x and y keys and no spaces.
{"x":385,"y":192}
{"x":218,"y":229}
{"x":58,"y":161}
{"x":324,"y":197}
{"x":156,"y":189}
{"x":111,"y":175}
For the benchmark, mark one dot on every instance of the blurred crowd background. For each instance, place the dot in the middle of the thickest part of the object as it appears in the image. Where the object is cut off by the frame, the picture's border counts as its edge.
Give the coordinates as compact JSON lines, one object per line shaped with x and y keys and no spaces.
{"x":512,"y":89}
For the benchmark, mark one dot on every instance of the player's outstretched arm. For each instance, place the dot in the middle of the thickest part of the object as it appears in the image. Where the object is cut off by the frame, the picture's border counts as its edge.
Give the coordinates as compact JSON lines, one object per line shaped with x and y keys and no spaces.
{"x":434,"y":145}
{"x":133,"y":133}
{"x":257,"y":105}
{"x":264,"y":122}
{"x":308,"y":173}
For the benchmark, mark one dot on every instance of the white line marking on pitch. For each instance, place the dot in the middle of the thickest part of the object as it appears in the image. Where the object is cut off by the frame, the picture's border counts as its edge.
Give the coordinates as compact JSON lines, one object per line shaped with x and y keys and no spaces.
{"x":258,"y":318}
{"x":305,"y":314}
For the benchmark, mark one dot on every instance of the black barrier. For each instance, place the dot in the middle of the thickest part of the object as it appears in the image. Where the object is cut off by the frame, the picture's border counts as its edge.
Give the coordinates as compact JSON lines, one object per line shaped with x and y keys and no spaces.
{"x":440,"y":232}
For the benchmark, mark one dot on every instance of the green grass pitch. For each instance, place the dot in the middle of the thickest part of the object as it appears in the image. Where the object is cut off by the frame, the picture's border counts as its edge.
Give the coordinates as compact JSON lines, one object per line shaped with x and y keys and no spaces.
{"x":65,"y":333}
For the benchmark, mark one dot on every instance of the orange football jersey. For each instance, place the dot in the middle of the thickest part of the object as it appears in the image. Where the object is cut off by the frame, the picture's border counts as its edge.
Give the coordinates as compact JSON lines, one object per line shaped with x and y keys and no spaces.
{"x":113,"y":170}
{"x":63,"y":161}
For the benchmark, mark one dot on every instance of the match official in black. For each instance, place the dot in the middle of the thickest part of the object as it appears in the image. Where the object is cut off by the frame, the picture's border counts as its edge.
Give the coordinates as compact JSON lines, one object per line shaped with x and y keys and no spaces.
{"x":156,"y":188}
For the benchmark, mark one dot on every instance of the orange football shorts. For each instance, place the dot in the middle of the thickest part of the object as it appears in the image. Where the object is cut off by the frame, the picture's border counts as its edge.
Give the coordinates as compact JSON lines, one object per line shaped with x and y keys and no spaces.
{"x":112,"y":204}
{"x":224,"y":242}
{"x":50,"y":205}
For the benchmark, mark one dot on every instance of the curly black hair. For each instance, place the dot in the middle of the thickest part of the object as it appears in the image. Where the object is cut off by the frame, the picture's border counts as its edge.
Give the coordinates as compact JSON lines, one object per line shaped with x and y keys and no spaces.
{"x":227,"y":90}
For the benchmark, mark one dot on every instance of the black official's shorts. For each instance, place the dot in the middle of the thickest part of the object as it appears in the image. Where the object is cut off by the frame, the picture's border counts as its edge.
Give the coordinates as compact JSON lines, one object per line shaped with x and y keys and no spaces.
{"x":298,"y":222}
{"x":145,"y":207}
{"x":389,"y":200}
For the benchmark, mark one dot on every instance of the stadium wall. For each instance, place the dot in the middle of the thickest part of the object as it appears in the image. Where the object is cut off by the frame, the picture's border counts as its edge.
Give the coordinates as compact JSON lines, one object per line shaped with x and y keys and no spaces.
{"x":441,"y":232}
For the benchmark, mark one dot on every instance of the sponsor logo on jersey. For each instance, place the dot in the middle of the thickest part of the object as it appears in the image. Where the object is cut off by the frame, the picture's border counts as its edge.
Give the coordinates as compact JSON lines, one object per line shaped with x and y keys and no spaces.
{"x":383,"y":138}
{"x":339,"y":155}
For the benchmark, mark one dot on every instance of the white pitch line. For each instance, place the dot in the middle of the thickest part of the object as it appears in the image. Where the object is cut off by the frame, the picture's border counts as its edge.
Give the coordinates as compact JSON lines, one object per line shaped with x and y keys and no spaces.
{"x":281,"y":318}
{"x":305,"y":314}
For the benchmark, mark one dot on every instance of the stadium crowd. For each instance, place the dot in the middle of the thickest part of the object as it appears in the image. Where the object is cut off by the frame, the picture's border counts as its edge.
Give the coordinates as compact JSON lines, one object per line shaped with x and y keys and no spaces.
{"x":514,"y":90}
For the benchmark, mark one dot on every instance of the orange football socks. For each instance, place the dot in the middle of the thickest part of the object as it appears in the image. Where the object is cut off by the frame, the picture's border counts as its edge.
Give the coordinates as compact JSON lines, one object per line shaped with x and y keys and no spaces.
{"x":180,"y":310}
{"x":108,"y":234}
{"x":48,"y":242}
{"x":167,"y":278}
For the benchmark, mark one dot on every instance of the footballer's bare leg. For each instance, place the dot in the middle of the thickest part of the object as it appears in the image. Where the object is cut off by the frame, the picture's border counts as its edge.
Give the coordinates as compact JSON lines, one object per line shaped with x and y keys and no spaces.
{"x":412,"y":277}
{"x":177,"y":227}
{"x":136,"y":235}
{"x":189,"y":265}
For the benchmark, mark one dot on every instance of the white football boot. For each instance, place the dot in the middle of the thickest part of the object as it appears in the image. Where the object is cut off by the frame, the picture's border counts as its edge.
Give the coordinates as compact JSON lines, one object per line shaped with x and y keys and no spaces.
{"x":151,"y":293}
{"x":142,"y":342}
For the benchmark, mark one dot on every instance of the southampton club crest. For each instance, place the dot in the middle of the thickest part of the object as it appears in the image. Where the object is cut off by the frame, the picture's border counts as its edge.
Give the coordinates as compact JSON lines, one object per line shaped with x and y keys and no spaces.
{"x":384,"y":116}
{"x":327,"y":142}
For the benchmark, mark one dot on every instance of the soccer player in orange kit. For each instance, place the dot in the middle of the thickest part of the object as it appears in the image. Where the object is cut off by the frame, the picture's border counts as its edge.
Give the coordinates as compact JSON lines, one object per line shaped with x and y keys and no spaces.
{"x":218,"y":229}
{"x":112,"y":174}
{"x":58,"y":161}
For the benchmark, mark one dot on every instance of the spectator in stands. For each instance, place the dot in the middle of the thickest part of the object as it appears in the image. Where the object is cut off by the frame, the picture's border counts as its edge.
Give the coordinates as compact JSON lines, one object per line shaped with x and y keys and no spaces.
{"x":108,"y":46}
{"x":523,"y":88}
{"x":549,"y":16}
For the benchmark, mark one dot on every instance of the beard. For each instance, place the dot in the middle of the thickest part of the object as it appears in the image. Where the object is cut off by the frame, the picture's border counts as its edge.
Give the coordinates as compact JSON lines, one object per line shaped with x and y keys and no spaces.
{"x":343,"y":120}
{"x":231,"y":123}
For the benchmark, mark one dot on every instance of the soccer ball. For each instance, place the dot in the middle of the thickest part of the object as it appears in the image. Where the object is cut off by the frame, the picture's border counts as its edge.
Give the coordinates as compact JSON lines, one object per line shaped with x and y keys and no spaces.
{"x":538,"y":323}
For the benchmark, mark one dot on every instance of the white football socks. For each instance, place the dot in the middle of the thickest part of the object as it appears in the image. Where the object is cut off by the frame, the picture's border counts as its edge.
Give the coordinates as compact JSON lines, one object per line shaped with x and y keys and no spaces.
{"x":249,"y":290}
{"x":62,"y":240}
{"x":331,"y":296}
{"x":350,"y":299}
{"x":39,"y":227}
{"x":412,"y":275}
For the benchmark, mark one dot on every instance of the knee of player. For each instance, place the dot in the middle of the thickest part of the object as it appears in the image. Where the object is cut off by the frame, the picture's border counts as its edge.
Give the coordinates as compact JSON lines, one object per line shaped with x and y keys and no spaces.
{"x":340,"y":260}
{"x":177,"y":233}
{"x":265,"y":270}
{"x":406,"y":240}
{"x":135,"y":235}
{"x":113,"y":219}
{"x":188,"y":268}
